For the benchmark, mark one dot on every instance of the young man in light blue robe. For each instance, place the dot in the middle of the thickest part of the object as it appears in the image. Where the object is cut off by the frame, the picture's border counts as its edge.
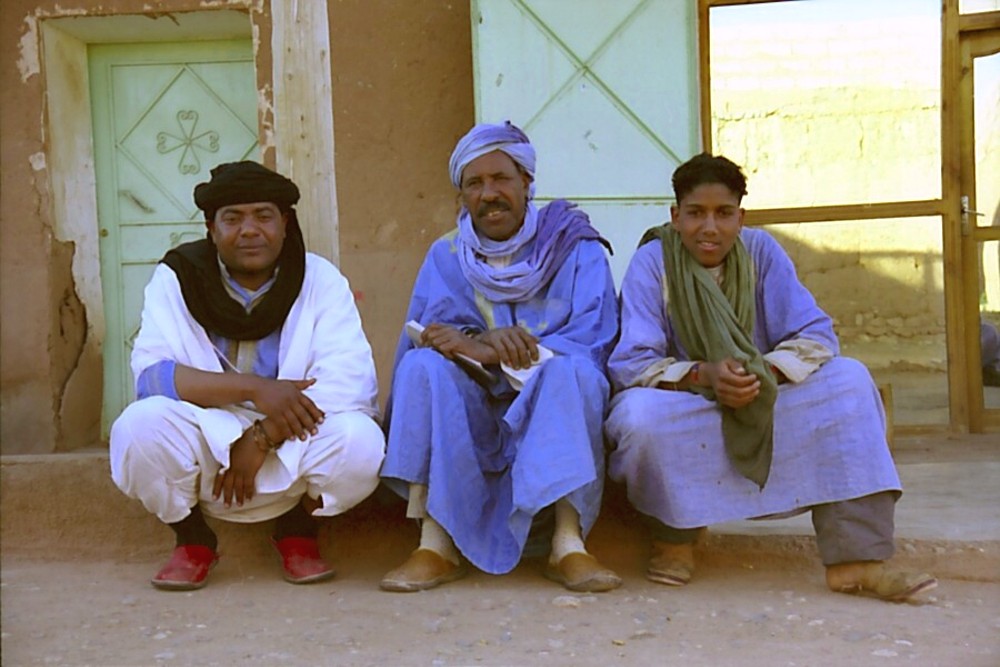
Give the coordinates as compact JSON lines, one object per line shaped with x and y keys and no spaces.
{"x":714,"y":319}
{"x":527,"y":294}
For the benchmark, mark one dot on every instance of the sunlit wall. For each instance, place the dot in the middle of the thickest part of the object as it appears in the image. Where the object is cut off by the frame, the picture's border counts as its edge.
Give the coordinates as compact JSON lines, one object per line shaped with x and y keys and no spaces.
{"x":838,"y":102}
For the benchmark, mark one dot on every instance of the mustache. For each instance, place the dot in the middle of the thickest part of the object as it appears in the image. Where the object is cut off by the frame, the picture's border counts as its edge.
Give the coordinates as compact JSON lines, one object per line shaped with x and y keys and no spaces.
{"x":489,"y":208}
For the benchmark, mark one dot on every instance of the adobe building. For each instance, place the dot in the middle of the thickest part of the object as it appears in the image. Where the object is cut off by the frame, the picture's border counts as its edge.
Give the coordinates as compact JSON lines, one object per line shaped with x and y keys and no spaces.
{"x":360,"y":102}
{"x":867,"y":136}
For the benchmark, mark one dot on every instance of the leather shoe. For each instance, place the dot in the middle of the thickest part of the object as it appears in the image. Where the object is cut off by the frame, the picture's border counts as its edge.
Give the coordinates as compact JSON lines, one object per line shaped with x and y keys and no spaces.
{"x":424,"y":569}
{"x":671,"y":564}
{"x":877,"y":580}
{"x":187,"y":568}
{"x":582,"y":572}
{"x":301,"y":561}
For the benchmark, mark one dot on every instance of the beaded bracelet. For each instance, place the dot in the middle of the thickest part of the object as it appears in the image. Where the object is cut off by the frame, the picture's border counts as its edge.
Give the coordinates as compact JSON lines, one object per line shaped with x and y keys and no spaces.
{"x":261,"y":439}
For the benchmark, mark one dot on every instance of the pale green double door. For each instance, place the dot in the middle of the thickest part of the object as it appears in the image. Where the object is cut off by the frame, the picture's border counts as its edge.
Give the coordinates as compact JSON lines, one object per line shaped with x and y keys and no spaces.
{"x":164,"y":115}
{"x":607,"y":90}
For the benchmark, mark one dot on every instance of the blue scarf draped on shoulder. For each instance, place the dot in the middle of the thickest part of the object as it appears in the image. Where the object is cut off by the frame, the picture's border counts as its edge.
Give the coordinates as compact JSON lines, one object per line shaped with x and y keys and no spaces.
{"x":540,"y":247}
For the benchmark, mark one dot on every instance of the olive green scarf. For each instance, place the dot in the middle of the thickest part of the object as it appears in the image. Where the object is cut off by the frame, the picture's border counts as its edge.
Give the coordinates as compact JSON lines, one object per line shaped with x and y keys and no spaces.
{"x":714,"y":323}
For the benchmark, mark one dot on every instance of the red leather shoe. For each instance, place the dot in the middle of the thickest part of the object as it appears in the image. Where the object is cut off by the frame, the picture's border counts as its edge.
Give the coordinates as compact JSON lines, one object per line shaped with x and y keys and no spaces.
{"x":187,"y":568}
{"x":301,"y":560}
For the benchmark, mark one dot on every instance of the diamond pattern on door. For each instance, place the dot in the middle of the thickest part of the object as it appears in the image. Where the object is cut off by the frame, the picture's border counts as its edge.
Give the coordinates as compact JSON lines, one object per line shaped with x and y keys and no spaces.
{"x":608,"y":93}
{"x":174,"y":140}
{"x":164,"y":116}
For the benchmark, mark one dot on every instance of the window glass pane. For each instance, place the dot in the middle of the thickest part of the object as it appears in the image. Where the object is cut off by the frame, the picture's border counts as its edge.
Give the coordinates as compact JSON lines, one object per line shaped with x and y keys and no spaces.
{"x":975,"y":6}
{"x":882,"y":283}
{"x":986,"y":82}
{"x":989,"y":326}
{"x":829,"y":101}
{"x":986,"y":78}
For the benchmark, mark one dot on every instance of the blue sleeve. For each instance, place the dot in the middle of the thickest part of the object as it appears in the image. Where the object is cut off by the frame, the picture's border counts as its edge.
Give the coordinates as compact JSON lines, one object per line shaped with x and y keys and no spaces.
{"x":647,"y":335}
{"x":786,"y":309}
{"x":591,"y":326}
{"x":157,"y":380}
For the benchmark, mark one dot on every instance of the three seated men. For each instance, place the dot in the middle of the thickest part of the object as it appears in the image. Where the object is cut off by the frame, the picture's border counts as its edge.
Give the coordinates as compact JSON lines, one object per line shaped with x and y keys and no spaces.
{"x":257,"y":390}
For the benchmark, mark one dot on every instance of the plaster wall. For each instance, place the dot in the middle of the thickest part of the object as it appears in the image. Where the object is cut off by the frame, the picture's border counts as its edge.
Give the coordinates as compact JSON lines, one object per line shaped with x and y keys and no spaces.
{"x":27,"y":406}
{"x":402,"y":91}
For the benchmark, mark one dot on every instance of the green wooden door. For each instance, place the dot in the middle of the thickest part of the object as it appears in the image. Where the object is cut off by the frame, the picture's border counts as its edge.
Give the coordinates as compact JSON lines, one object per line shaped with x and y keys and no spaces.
{"x":164,"y":115}
{"x":607,"y":91}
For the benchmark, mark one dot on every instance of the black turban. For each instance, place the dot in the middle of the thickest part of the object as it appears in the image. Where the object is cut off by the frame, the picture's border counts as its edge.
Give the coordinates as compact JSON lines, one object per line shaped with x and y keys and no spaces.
{"x":244,"y":183}
{"x":197,"y":263}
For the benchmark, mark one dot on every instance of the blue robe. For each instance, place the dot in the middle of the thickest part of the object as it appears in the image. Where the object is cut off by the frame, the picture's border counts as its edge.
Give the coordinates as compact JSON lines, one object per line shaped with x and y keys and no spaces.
{"x":492,"y":458}
{"x":829,"y":429}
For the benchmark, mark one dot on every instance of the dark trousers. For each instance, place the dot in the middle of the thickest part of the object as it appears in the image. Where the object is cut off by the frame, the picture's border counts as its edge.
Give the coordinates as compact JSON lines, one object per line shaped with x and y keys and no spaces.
{"x":846,"y":531}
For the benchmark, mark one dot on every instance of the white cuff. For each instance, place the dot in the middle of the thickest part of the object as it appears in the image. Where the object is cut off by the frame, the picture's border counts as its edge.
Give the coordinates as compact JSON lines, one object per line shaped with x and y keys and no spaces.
{"x":664,"y":370}
{"x":798,"y":358}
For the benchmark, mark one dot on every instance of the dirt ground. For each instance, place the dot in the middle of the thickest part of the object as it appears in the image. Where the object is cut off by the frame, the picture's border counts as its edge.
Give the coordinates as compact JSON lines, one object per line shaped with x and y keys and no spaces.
{"x":105,"y":613}
{"x":74,"y":591}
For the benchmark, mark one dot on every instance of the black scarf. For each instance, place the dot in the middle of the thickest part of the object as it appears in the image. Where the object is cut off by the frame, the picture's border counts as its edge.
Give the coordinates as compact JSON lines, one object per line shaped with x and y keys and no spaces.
{"x":197,"y":267}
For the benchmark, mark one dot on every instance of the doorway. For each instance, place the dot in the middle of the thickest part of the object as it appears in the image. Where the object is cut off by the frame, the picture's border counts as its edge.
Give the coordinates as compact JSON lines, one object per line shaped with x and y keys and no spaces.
{"x":163,"y":114}
{"x":608,"y":93}
{"x":977,"y":151}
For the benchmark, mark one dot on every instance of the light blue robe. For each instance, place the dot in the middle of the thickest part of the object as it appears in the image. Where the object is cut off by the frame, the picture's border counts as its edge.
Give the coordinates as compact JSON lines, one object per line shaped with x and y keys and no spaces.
{"x":829,"y":429}
{"x":493,"y":458}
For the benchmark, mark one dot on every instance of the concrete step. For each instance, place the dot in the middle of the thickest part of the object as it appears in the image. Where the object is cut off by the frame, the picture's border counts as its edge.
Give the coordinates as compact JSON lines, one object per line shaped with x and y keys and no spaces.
{"x":65,"y":507}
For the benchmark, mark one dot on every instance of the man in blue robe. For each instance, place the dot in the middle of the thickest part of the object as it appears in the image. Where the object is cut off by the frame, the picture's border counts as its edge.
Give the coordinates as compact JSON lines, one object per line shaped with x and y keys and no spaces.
{"x":499,"y":392}
{"x":714,"y":319}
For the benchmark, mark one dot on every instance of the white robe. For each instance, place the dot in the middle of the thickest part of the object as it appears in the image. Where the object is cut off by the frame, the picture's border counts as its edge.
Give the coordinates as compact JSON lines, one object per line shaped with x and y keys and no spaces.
{"x":321,"y":338}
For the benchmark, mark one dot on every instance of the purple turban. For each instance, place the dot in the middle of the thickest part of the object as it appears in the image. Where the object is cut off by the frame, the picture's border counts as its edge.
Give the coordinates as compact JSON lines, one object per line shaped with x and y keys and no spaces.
{"x":485,"y":138}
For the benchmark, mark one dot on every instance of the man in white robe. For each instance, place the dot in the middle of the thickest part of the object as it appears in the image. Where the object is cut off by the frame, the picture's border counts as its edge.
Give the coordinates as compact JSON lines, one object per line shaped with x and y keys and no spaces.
{"x":256,"y":389}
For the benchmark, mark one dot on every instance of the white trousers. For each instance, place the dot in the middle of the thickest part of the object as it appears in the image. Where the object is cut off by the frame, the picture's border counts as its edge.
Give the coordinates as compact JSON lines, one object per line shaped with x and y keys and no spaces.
{"x":160,"y":456}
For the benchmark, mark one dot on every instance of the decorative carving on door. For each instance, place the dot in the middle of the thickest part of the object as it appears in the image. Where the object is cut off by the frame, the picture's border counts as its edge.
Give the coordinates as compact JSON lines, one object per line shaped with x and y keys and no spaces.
{"x":208,"y":141}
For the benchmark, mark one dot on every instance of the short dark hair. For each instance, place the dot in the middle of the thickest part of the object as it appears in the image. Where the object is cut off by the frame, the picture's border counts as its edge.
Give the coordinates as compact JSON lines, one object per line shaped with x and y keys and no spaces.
{"x":706,"y":168}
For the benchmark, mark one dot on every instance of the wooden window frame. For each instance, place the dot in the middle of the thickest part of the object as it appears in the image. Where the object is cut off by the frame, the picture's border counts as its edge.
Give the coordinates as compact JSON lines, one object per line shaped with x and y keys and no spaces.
{"x":962,"y":324}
